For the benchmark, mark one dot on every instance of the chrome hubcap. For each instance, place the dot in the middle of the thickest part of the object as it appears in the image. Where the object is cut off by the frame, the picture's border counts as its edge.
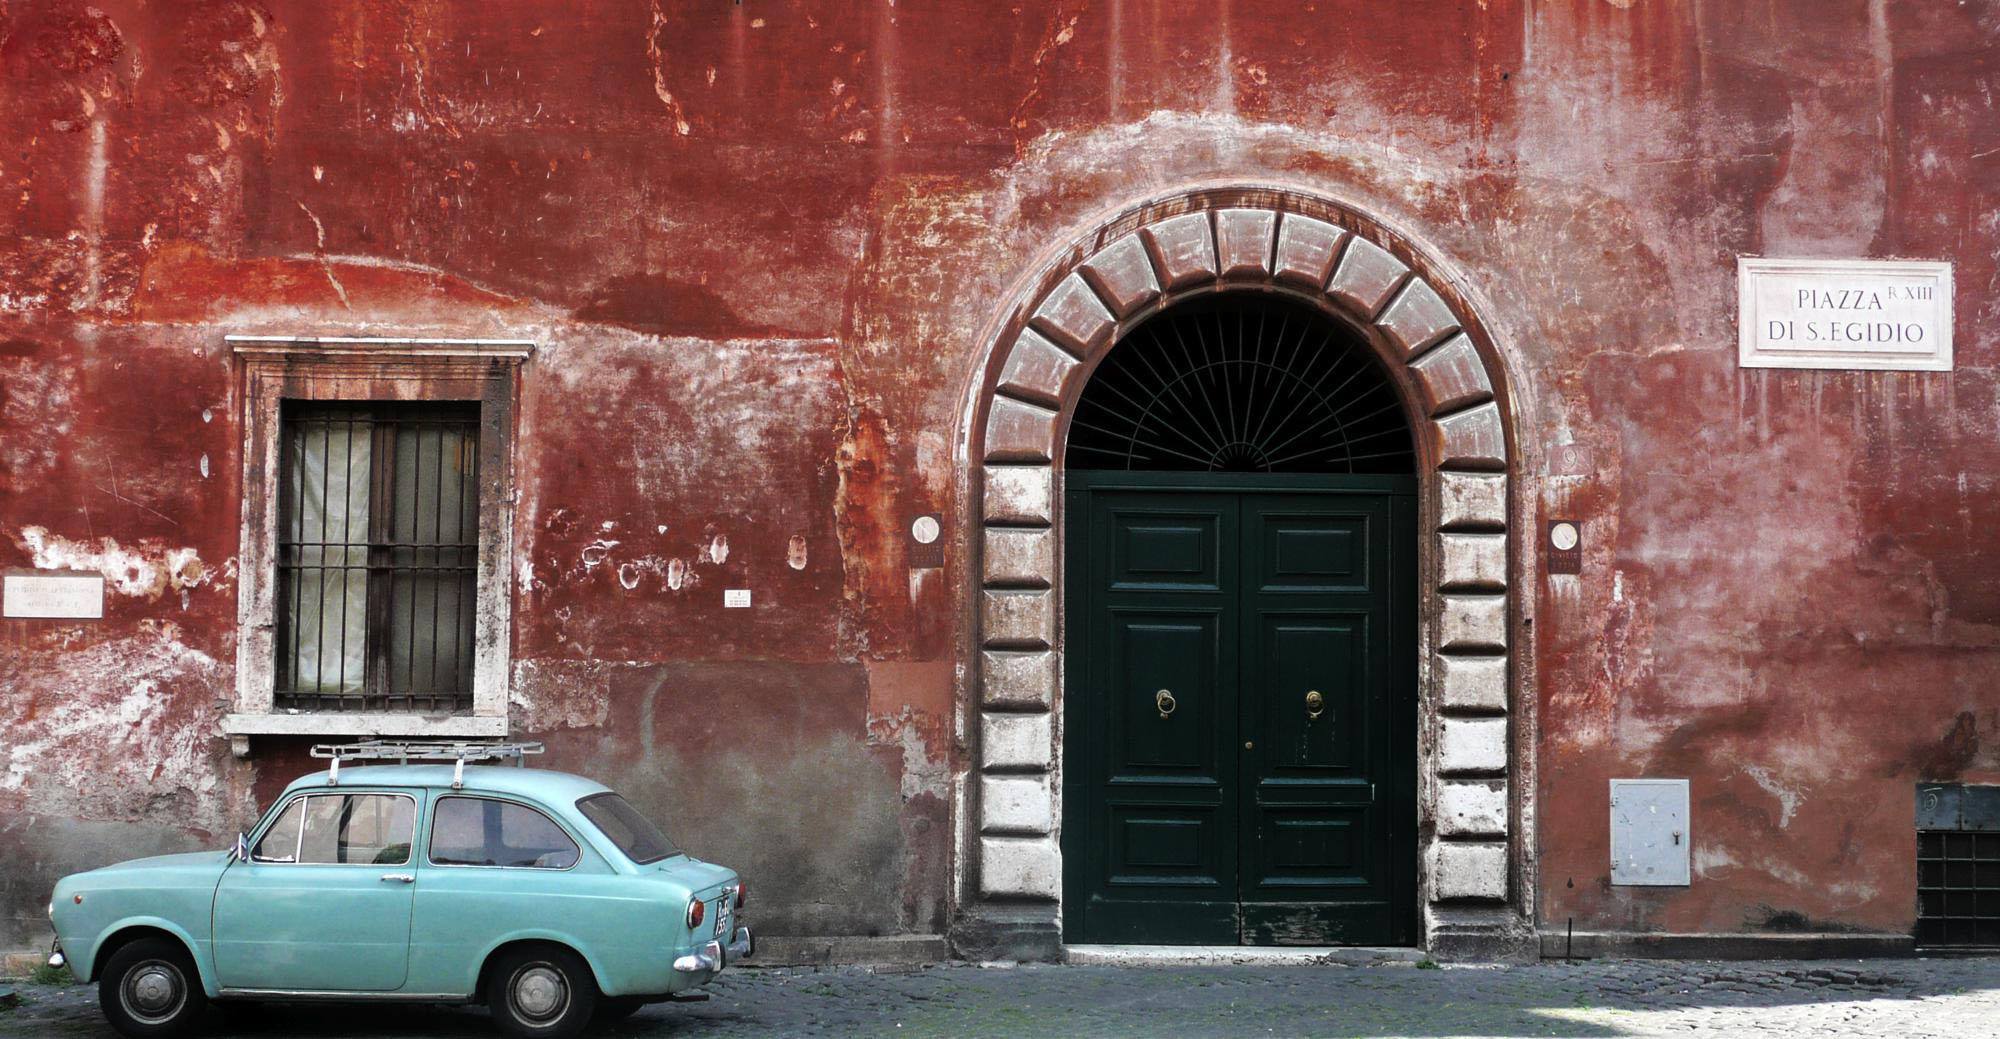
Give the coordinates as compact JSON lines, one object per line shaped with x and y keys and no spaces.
{"x":539,"y":992}
{"x":154,"y":991}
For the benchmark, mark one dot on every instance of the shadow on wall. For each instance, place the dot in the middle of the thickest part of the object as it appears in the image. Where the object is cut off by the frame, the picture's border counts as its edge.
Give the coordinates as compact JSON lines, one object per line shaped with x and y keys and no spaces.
{"x":766,"y":769}
{"x":38,"y":850}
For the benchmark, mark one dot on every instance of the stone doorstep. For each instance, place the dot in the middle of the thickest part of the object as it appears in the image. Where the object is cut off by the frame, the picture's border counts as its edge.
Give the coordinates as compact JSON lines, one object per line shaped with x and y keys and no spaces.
{"x":1836,"y":945}
{"x":902,"y":950}
{"x":1235,"y":955}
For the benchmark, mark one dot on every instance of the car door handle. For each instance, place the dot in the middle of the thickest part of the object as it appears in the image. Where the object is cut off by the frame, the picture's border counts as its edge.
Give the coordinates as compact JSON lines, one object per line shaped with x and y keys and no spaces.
{"x":407,"y":878}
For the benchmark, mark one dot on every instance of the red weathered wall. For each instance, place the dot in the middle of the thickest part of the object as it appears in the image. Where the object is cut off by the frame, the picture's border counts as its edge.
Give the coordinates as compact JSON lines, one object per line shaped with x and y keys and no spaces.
{"x":757,"y":245}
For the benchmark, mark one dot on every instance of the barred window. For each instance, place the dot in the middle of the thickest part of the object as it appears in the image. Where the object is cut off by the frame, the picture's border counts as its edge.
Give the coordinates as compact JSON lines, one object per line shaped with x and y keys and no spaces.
{"x":378,"y":531}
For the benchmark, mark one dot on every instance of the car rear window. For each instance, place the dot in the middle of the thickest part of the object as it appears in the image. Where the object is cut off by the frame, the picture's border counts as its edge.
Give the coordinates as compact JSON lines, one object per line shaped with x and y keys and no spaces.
{"x":480,"y":831}
{"x":628,"y":828}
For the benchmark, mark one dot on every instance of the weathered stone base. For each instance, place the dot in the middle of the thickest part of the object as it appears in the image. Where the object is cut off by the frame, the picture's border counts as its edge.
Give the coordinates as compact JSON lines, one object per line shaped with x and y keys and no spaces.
{"x":1477,"y":934}
{"x":1588,"y":945}
{"x":1008,"y":933}
{"x":900,"y":950}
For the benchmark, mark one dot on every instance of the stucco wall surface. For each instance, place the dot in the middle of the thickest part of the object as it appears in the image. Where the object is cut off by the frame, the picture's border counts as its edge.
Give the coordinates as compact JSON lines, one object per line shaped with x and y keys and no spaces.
{"x":761,"y":248}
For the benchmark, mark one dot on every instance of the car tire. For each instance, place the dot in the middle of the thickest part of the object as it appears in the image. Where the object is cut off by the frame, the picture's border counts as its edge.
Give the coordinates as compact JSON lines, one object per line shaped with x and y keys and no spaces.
{"x":612,"y":1009}
{"x":541,"y":992}
{"x":150,"y":990}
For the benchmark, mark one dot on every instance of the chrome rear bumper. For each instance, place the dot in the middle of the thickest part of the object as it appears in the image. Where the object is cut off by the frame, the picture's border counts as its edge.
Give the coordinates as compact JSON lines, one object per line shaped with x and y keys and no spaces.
{"x":714,"y":956}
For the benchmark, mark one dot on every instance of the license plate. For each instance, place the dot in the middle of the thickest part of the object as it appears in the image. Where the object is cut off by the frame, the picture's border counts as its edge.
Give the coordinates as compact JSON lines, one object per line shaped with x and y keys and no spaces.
{"x":722,"y":914}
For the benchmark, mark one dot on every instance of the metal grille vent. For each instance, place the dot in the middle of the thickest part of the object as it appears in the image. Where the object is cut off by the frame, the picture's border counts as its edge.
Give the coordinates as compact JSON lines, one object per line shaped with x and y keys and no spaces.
{"x":1958,"y":865}
{"x":1231,"y":384}
{"x":1958,"y":888}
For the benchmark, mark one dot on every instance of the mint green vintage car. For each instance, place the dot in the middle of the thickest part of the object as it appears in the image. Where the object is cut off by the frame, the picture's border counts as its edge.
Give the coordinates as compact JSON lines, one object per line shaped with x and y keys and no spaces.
{"x":543,"y":895}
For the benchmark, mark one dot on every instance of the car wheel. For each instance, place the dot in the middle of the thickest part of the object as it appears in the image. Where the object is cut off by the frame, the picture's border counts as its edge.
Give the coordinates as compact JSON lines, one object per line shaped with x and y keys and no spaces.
{"x":541,"y":993}
{"x":150,"y":989}
{"x":616,"y":1008}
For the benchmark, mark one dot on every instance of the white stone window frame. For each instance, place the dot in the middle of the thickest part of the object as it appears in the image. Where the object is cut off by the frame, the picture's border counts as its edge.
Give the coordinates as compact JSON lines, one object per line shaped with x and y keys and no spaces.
{"x":274,"y":369}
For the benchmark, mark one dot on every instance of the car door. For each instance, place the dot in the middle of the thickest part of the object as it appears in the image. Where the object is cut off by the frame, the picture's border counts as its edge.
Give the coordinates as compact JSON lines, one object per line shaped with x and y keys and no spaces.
{"x":493,"y":866}
{"x":323,"y":902}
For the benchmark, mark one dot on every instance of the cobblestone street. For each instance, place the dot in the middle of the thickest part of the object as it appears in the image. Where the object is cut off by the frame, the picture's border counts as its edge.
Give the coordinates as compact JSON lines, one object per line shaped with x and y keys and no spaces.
{"x":1957,"y":998}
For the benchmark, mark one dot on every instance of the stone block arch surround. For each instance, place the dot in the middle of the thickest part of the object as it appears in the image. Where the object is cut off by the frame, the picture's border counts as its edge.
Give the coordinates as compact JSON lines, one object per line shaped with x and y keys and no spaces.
{"x":1474,"y":879}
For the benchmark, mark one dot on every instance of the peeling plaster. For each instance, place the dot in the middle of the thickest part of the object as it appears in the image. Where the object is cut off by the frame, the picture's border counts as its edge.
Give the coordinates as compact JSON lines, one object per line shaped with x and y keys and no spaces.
{"x":1788,"y":798}
{"x":113,"y":734}
{"x":146,"y":572}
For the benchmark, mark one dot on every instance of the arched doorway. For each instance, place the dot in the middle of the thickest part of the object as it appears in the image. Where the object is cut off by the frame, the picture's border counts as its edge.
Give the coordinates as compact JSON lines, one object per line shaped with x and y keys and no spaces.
{"x":1239,"y":745}
{"x":1474,"y":816}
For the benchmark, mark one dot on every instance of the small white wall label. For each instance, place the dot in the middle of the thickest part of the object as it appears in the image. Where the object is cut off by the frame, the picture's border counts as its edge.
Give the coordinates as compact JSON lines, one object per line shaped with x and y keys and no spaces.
{"x":1871,"y":315}
{"x":1565,"y":550}
{"x":926,"y":551}
{"x":52,"y":595}
{"x":736,"y":598}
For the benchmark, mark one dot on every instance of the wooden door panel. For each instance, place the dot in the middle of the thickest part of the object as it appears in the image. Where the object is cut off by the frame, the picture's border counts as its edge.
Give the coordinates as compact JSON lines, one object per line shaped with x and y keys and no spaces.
{"x":1168,"y":845}
{"x":1314,"y":846}
{"x":1314,"y":551}
{"x":1163,"y":547}
{"x":1155,"y":651}
{"x":1301,"y":654}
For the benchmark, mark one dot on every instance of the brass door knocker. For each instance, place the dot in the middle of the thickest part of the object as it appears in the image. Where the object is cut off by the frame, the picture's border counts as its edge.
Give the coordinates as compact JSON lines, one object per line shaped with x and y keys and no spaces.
{"x":1315,"y":705}
{"x":1164,"y":702}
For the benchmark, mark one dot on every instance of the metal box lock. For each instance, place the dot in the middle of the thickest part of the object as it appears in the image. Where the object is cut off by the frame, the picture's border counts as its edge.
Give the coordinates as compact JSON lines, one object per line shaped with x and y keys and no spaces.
{"x":1650,"y":842}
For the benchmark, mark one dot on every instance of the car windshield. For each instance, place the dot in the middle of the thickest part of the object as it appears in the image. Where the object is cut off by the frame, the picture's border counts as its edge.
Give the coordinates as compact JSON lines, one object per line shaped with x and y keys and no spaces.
{"x":631,"y":831}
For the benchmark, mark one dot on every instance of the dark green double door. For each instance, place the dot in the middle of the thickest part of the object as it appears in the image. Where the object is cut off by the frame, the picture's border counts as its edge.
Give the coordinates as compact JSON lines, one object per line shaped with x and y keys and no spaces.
{"x":1239,"y":731}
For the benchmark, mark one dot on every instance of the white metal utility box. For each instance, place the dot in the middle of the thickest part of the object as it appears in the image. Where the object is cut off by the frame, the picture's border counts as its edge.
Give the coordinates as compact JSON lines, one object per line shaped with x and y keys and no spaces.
{"x":1649,"y":832}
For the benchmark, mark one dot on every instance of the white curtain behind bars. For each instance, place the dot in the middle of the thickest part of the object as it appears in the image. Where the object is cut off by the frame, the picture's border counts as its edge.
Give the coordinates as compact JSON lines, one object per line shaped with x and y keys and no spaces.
{"x":329,"y":606}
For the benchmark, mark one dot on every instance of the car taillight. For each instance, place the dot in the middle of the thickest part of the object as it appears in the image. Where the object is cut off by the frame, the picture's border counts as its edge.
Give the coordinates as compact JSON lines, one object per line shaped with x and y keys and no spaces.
{"x":695,"y":912}
{"x":740,"y":889}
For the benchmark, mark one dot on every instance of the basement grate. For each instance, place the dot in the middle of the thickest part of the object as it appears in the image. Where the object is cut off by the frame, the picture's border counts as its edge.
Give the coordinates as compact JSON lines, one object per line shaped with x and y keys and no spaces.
{"x":1958,"y":867}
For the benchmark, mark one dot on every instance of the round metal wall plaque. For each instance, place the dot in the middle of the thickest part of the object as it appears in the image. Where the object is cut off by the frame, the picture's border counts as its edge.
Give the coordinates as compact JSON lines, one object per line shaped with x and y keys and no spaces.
{"x":1563,"y":536}
{"x":924,"y":529}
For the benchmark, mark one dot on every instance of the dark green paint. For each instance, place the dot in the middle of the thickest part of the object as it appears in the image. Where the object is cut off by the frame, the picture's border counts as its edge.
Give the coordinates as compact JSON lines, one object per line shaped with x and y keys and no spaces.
{"x":1238,"y":818}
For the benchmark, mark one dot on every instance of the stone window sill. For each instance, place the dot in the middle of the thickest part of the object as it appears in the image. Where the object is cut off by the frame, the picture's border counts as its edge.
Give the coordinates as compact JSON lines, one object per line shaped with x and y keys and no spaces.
{"x":240,"y":727}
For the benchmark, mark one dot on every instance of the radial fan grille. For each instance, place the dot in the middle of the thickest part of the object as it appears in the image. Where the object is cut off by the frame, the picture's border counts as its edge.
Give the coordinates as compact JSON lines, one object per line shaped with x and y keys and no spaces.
{"x":1234,"y":385}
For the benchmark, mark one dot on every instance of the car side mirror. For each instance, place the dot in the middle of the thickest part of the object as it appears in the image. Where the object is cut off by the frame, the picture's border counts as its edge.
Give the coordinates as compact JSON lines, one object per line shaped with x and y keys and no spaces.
{"x":241,"y":852}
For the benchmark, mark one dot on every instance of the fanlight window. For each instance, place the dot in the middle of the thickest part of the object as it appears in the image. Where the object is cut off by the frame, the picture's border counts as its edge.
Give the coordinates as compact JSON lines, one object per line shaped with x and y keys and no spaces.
{"x":1236,"y":384}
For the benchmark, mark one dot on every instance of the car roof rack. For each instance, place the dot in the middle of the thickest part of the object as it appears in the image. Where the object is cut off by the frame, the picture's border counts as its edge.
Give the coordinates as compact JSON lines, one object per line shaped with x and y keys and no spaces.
{"x":406,"y":751}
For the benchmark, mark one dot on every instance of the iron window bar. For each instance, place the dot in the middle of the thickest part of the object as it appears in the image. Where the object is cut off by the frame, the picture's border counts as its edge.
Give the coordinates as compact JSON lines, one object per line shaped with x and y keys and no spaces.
{"x":376,"y":578}
{"x":405,"y":751}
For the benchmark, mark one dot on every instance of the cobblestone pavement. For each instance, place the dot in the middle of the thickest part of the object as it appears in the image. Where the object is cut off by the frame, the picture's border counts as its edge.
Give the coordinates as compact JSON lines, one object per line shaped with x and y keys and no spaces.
{"x":1958,"y":998}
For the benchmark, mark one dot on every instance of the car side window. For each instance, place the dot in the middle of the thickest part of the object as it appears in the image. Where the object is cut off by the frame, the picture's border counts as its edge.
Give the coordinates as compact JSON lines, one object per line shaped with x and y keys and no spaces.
{"x":280,"y":843}
{"x":482,"y":831}
{"x":358,"y":829}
